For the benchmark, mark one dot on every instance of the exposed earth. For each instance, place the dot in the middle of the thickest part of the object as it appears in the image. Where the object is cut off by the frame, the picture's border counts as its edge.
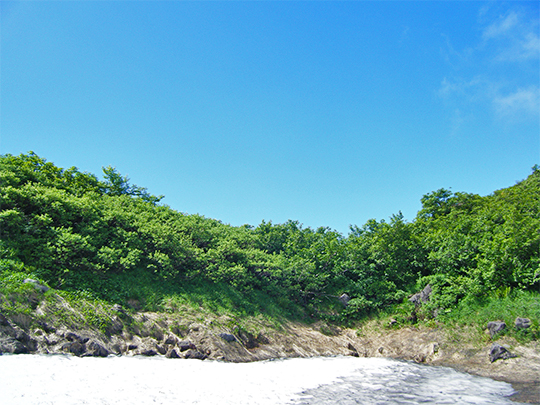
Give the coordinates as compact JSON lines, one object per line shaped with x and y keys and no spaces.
{"x":52,"y":327}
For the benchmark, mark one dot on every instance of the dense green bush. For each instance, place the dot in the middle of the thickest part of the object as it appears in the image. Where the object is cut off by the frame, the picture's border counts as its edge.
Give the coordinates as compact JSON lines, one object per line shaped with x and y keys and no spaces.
{"x":115,"y":241}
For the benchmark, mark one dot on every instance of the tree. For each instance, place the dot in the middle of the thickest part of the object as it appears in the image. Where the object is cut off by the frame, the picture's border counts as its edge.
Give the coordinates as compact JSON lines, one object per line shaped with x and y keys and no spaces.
{"x":116,"y":185}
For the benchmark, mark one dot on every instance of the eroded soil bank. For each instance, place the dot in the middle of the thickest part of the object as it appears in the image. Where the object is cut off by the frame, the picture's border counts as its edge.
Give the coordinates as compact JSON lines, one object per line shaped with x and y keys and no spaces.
{"x":188,"y":335}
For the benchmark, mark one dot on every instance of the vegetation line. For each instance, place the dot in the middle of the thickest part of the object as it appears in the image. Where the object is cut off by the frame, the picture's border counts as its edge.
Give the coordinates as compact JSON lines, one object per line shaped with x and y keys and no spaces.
{"x":108,"y":241}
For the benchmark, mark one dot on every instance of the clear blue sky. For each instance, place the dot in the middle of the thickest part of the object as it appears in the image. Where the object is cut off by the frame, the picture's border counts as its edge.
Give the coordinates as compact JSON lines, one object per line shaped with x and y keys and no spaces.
{"x":329,"y":113}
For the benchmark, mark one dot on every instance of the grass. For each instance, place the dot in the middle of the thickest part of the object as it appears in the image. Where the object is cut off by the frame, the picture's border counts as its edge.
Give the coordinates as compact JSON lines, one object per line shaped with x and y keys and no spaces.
{"x":477,"y":313}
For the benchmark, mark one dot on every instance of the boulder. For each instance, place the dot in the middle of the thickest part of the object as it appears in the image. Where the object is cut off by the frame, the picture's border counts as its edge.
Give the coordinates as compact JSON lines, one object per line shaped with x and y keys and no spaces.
{"x":118,"y":308}
{"x":12,"y":346}
{"x":344,"y":299}
{"x":185,"y":345}
{"x":76,"y":348}
{"x":172,"y":354}
{"x":248,"y":340}
{"x":499,"y":352}
{"x":73,"y":337}
{"x":3,"y":320}
{"x":37,"y":286}
{"x":227,"y":337}
{"x":522,"y":323}
{"x":194,"y":354}
{"x":148,"y":352}
{"x":170,"y":340}
{"x":161,"y":349}
{"x":421,"y":297}
{"x":495,"y":327}
{"x":94,"y":349}
{"x":353,"y":352}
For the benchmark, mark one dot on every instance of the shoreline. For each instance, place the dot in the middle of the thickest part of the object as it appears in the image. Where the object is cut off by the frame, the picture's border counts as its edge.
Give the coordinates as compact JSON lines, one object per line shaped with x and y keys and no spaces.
{"x":226,"y":339}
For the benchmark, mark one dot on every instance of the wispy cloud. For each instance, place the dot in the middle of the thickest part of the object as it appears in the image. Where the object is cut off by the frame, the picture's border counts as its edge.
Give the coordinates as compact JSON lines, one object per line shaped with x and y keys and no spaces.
{"x":515,"y":36}
{"x":522,"y":100}
{"x":499,"y":70}
{"x":502,"y":26}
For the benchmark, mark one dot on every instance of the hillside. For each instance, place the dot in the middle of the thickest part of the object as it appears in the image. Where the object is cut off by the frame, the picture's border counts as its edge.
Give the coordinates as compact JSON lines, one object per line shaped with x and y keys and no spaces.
{"x":102,"y":252}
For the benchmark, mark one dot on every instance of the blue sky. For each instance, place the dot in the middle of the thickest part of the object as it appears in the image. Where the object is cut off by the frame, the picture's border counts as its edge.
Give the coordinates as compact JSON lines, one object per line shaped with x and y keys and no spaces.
{"x":329,"y":113}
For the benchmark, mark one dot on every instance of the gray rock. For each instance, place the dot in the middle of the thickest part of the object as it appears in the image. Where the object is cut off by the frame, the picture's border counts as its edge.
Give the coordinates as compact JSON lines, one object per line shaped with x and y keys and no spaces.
{"x":172,"y":354}
{"x":12,"y":345}
{"x":522,"y":323}
{"x":161,"y":349}
{"x":227,"y":337}
{"x":76,"y":348}
{"x":422,"y":297}
{"x":39,"y":287}
{"x":94,"y":349}
{"x":73,"y":337}
{"x":170,"y":340}
{"x":353,"y":352}
{"x":3,"y":321}
{"x":118,"y":308}
{"x":248,"y":340}
{"x":185,"y":345}
{"x":148,"y":352}
{"x":499,"y":352}
{"x":262,"y":339}
{"x":344,"y":299}
{"x":194,"y":354}
{"x":495,"y":327}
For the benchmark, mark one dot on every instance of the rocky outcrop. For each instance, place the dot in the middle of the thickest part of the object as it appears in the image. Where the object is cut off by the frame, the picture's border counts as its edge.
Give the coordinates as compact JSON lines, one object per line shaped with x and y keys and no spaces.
{"x":37,"y":285}
{"x":178,"y":336}
{"x":421,"y":297}
{"x":499,"y":352}
{"x":495,"y":327}
{"x":522,"y":323}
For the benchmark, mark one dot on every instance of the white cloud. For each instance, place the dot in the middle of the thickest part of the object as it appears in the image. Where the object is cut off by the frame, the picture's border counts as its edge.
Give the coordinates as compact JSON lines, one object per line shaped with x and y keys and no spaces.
{"x":502,"y":26}
{"x":523,"y":100}
{"x":515,"y":36}
{"x":498,"y":71}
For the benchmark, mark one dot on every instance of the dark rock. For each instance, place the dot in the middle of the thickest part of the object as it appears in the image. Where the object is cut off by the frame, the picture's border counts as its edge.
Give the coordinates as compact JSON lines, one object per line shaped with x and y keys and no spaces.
{"x":118,"y":308}
{"x":194,"y":354}
{"x":522,"y":323}
{"x":185,"y":345}
{"x":156,"y":332}
{"x":422,"y":297}
{"x":33,"y":300}
{"x":39,"y":287}
{"x":495,"y":327}
{"x":227,"y":337}
{"x":344,"y":299}
{"x":12,"y":345}
{"x":96,"y":350}
{"x":148,"y":352}
{"x":353,"y":352}
{"x":161,"y":349}
{"x":132,"y":347}
{"x":172,"y":354}
{"x":170,"y":340}
{"x":73,"y":337}
{"x":177,"y":330}
{"x":248,"y":340}
{"x":76,"y":348}
{"x":52,"y":339}
{"x":45,"y":326}
{"x":499,"y":352}
{"x":262,"y":339}
{"x":3,"y":321}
